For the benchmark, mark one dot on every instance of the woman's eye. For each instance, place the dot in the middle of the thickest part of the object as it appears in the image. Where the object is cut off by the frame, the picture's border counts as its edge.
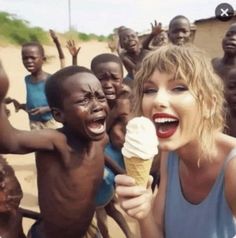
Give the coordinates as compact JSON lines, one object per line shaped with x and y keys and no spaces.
{"x":149,"y":90}
{"x":180,"y":88}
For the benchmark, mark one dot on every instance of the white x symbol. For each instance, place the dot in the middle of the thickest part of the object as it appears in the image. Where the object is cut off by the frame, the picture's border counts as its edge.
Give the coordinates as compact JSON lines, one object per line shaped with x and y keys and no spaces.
{"x":224,"y":12}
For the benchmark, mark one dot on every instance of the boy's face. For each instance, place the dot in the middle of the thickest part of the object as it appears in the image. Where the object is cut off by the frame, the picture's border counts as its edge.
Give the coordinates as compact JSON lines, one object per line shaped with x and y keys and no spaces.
{"x":110,"y":75}
{"x":118,"y":130}
{"x":229,"y":41}
{"x":84,"y":107}
{"x":129,"y":40}
{"x":10,"y":190}
{"x":32,"y":58}
{"x":179,"y":32}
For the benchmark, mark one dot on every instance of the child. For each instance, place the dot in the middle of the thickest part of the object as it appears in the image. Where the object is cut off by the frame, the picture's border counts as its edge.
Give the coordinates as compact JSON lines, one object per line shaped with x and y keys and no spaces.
{"x":223,"y":65}
{"x":179,"y":32}
{"x":18,"y":141}
{"x":36,"y":103}
{"x":230,"y":95}
{"x":180,"y":93}
{"x":105,"y":198}
{"x":134,"y":52}
{"x":67,"y":195}
{"x":109,"y":70}
{"x":10,"y":197}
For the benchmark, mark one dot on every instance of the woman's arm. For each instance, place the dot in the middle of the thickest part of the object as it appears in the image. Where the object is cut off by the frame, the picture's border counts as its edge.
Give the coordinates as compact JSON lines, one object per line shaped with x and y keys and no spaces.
{"x":230,"y":185}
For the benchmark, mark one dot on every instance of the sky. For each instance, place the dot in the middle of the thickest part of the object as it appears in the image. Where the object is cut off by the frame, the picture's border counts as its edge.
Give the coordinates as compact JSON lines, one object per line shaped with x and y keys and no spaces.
{"x":102,"y":16}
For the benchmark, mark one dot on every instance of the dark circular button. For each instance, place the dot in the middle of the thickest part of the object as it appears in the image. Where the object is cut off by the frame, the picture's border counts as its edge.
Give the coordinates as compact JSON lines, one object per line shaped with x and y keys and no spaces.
{"x":224,"y":12}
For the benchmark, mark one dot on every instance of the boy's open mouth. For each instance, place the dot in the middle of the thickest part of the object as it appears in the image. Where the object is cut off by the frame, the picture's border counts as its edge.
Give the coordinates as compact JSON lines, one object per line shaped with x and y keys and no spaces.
{"x":97,"y":125}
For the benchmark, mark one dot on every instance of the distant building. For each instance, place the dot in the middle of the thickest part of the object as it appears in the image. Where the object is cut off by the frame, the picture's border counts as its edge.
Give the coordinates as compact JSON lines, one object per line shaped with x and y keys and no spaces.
{"x":209,"y":34}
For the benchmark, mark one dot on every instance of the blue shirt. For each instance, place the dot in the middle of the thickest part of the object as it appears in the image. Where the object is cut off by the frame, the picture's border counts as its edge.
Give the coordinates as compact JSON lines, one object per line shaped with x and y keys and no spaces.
{"x":211,"y":218}
{"x":35,"y":97}
{"x":106,"y":190}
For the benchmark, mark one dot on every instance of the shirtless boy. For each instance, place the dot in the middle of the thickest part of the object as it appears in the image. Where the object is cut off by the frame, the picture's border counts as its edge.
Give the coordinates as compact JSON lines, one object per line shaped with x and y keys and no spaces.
{"x":67,"y":195}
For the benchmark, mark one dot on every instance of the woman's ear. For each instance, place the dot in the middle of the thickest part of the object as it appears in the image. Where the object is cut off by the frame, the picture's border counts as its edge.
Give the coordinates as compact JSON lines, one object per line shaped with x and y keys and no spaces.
{"x":57,"y":114}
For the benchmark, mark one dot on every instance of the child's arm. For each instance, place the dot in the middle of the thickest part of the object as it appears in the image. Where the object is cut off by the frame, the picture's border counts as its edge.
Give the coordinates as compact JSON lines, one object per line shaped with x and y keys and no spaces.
{"x":156,"y":29}
{"x":29,"y":213}
{"x":16,"y":141}
{"x":129,"y":65}
{"x":73,"y":50}
{"x":18,"y":106}
{"x":59,"y":49}
{"x":39,"y":110}
{"x":114,"y":166}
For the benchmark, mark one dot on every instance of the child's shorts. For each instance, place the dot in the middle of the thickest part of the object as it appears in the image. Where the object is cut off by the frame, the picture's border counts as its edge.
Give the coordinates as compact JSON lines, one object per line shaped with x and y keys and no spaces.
{"x":36,"y":232}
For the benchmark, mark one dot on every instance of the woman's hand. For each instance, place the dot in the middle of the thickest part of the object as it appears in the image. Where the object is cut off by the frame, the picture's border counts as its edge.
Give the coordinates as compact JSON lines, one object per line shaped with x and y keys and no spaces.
{"x":135,"y":200}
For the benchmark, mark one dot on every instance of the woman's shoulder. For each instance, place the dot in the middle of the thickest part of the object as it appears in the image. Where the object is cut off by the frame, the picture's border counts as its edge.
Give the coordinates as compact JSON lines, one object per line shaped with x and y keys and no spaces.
{"x":226,"y":141}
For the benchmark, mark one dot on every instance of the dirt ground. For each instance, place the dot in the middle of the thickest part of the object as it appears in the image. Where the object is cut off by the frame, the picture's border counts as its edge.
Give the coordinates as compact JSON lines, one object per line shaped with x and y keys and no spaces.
{"x":24,"y":165}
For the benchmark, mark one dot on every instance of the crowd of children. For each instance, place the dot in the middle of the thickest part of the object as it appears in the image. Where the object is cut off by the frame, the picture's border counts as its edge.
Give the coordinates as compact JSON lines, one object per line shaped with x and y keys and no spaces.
{"x":77,"y":163}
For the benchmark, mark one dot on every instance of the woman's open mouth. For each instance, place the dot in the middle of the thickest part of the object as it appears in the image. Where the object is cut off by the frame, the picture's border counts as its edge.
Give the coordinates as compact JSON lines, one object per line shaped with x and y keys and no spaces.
{"x":165,"y":126}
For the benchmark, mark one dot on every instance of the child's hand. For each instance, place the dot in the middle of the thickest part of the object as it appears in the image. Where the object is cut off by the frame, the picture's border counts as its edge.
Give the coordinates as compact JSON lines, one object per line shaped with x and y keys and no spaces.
{"x":18,"y":105}
{"x":135,"y":200}
{"x":38,"y":111}
{"x":8,"y":100}
{"x":53,"y":35}
{"x":156,"y":28}
{"x":72,"y":47}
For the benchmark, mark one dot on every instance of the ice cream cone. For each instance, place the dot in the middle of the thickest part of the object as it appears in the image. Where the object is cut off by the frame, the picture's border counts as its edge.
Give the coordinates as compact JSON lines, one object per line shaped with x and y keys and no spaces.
{"x":139,"y":169}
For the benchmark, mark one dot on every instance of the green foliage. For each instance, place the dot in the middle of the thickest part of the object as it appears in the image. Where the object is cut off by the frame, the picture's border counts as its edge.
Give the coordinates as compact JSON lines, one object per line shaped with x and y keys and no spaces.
{"x":17,"y":31}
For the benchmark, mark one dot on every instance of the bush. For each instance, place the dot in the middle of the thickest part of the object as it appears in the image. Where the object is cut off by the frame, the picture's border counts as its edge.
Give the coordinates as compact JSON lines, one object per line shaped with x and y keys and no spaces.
{"x":18,"y":31}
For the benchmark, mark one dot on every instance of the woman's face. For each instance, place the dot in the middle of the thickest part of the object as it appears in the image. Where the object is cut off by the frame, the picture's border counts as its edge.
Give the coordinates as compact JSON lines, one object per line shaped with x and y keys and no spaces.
{"x":173,"y":109}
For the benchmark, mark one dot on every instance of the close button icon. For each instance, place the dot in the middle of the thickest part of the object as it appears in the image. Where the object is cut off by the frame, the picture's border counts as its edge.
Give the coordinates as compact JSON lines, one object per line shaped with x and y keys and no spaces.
{"x":224,"y":12}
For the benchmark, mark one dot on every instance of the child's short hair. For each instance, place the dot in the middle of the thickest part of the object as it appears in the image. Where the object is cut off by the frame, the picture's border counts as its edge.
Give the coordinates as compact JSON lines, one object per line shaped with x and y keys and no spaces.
{"x":104,"y":58}
{"x":53,"y":87}
{"x":35,"y":44}
{"x":177,"y":18}
{"x":8,"y":170}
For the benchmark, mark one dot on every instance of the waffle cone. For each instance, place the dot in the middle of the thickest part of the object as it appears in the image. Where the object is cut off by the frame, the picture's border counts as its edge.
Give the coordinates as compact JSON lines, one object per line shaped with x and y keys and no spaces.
{"x":139,"y":169}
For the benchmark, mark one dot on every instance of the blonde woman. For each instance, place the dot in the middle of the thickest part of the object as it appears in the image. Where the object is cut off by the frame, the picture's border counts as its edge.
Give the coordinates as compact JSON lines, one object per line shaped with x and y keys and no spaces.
{"x":179,"y":92}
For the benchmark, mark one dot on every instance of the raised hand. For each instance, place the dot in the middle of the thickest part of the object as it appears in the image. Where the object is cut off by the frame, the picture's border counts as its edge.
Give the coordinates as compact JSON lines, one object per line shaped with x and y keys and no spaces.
{"x":156,"y":28}
{"x":71,"y":46}
{"x":53,"y":35}
{"x":73,"y":50}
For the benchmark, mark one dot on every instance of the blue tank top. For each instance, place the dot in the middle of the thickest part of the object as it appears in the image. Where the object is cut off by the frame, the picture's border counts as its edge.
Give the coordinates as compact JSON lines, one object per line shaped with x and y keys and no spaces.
{"x":212,"y":218}
{"x":35,"y":97}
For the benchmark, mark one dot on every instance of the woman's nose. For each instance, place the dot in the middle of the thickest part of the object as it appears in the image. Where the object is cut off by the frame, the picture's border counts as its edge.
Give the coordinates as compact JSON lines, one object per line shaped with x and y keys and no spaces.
{"x":161,"y":99}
